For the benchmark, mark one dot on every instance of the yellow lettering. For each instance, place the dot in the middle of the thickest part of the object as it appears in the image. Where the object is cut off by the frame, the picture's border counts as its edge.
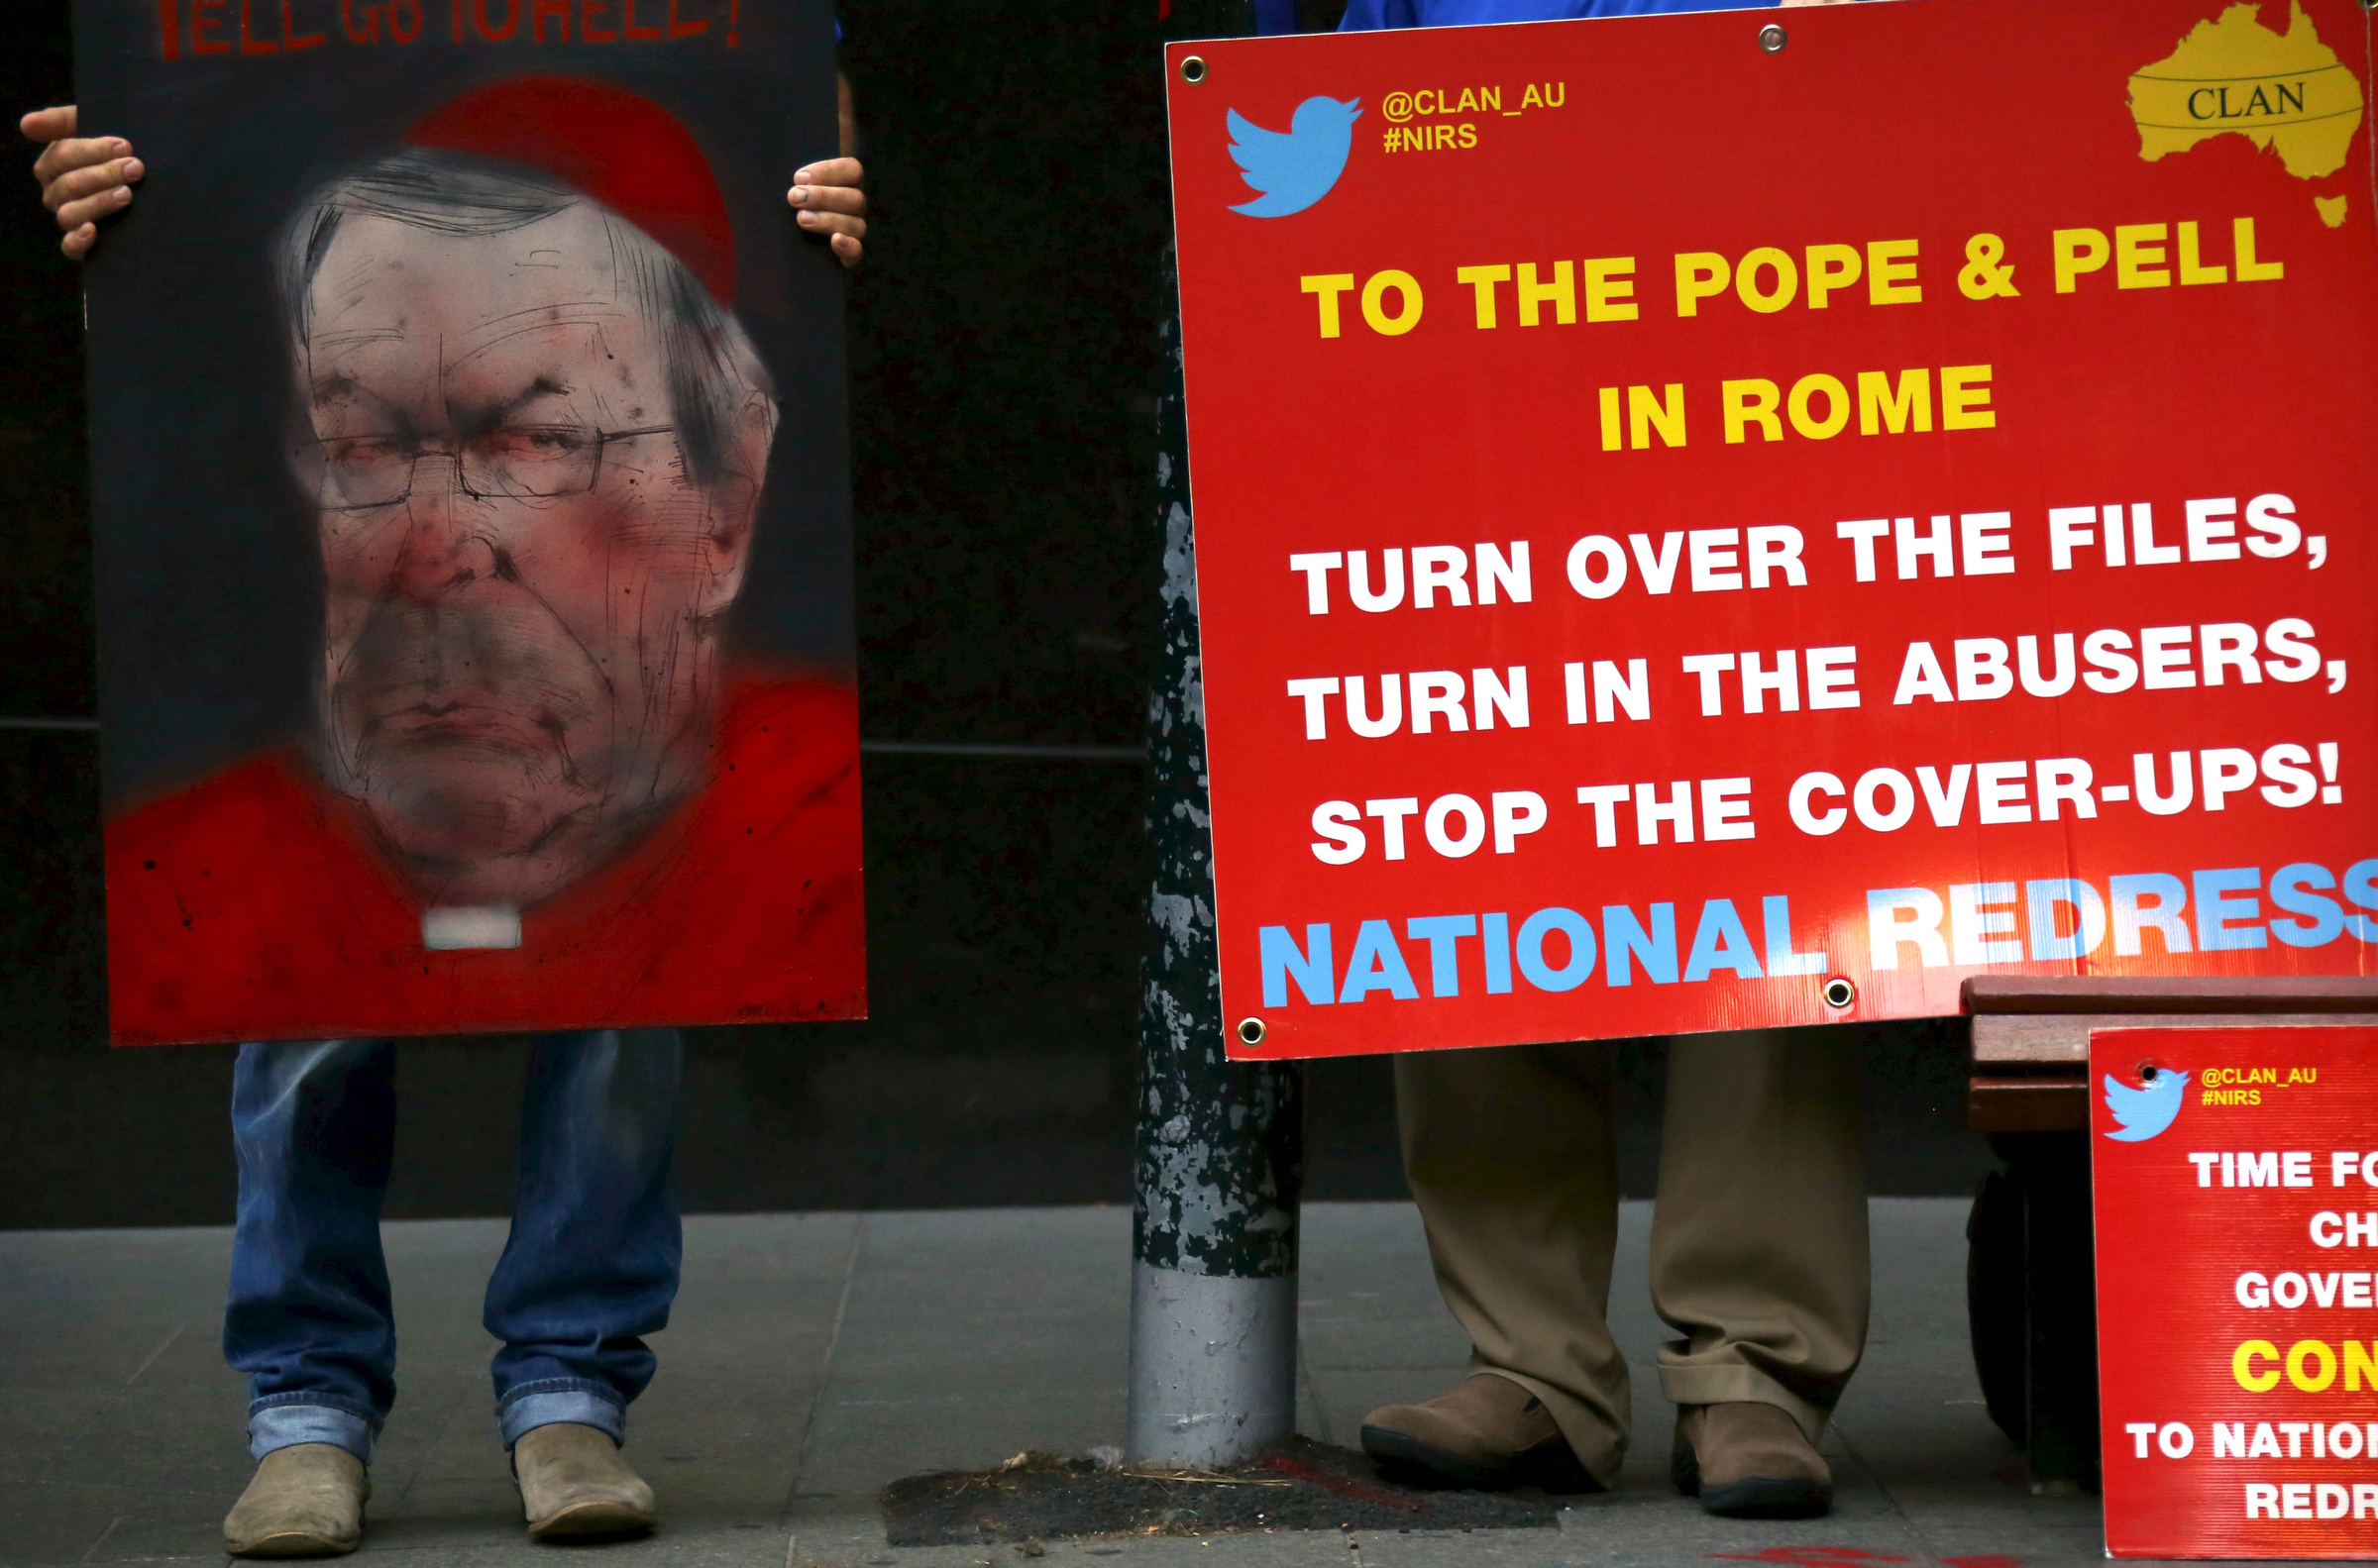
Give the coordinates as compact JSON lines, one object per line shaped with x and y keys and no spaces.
{"x":1891,"y":272}
{"x":2360,"y":1362}
{"x":1667,"y":416}
{"x":1746,"y":280}
{"x":1831,"y":268}
{"x":2300,"y":1357}
{"x":2138,"y":256}
{"x":1965,"y":398}
{"x":2191,"y":272}
{"x":1561,"y":293}
{"x":1483,"y":280}
{"x":1837,"y":406}
{"x":1407,"y":291}
{"x":1700,"y":274}
{"x":2241,"y":1366}
{"x":1881,"y":406}
{"x":2250,"y":270}
{"x":1329,"y":285}
{"x":1609,"y":282}
{"x":2079,"y":251}
{"x":1611,"y":428}
{"x":1748,"y":402}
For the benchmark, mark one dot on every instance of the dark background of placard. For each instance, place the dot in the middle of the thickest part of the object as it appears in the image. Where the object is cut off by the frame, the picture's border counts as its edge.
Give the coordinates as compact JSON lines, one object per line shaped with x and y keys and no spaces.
{"x":209,"y":590}
{"x":1002,"y":422}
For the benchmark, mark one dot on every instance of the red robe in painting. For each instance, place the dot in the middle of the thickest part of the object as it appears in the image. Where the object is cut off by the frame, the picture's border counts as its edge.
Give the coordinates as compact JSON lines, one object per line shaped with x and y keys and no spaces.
{"x":256,"y":904}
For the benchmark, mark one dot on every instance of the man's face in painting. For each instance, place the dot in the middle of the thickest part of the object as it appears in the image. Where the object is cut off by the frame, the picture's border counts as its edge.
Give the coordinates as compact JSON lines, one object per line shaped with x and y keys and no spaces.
{"x":524,"y":573}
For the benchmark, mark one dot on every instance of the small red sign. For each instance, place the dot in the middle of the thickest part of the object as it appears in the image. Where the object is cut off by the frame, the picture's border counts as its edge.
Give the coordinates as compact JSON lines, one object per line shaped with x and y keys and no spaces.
{"x":2236,"y":1197}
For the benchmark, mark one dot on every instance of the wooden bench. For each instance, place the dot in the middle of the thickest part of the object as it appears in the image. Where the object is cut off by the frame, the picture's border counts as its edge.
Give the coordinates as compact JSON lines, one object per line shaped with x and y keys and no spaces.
{"x":2031,"y":1035}
{"x":2030,"y":1289}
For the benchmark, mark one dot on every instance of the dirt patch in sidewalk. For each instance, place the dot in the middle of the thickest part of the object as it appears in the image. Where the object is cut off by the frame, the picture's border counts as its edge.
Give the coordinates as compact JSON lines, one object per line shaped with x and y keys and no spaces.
{"x":1299,"y":1486}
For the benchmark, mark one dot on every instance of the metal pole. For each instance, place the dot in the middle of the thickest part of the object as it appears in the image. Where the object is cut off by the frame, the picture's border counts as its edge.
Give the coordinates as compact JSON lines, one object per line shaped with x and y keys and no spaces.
{"x":1218,"y":1148}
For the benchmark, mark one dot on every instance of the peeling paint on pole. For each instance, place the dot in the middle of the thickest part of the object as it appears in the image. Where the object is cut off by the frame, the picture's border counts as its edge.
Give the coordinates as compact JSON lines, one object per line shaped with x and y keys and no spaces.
{"x":1219,"y":1149}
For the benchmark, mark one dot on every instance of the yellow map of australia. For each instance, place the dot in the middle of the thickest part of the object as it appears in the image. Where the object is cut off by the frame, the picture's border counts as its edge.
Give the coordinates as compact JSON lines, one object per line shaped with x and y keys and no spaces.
{"x":2233,"y":76}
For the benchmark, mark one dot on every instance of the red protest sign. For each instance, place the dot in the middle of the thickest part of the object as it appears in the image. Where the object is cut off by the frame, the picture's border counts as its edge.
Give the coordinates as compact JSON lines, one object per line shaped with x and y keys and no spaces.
{"x":2236,"y":1174}
{"x":1702,"y":526}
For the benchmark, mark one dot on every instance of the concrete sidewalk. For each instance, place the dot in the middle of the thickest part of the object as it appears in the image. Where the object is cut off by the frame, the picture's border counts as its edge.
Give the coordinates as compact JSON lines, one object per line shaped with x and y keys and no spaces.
{"x":814,"y":1358}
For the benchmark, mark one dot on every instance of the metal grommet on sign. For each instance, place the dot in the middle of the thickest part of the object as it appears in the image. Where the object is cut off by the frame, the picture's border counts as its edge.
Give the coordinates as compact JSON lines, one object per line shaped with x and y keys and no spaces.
{"x":1193,"y":68}
{"x":1770,"y":39}
{"x":1839,"y":993}
{"x":1250,"y":1031}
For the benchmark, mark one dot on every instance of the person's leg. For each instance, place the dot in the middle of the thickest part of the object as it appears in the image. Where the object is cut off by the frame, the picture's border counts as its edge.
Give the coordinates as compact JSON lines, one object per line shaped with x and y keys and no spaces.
{"x":1510,"y":1158}
{"x":1758,"y":1242}
{"x":591,"y":1263}
{"x":591,"y":1268}
{"x":313,"y":1124}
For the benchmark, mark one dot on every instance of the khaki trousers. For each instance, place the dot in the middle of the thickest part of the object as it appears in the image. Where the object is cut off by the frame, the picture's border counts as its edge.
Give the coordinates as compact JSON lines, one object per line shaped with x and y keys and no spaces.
{"x":1758,"y":1239}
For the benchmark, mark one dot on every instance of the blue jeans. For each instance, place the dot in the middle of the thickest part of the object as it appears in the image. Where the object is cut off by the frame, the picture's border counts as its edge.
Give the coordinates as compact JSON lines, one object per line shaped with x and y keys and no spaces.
{"x":590,"y":1268}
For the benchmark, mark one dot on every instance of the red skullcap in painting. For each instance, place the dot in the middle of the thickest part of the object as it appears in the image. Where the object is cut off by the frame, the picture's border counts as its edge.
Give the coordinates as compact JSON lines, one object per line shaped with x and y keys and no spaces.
{"x":620,"y":149}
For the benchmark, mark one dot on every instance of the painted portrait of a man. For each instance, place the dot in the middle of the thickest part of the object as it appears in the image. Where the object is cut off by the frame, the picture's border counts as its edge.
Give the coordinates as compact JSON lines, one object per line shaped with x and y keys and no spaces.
{"x":545,"y":780}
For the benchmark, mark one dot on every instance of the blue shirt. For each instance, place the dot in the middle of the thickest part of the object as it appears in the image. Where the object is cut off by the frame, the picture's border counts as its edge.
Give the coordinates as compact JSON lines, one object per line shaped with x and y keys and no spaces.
{"x":1369,"y":15}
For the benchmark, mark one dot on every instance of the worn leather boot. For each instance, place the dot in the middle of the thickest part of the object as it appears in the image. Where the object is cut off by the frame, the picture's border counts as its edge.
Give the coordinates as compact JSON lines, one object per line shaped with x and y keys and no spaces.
{"x":574,"y":1482}
{"x":306,"y":1500}
{"x":1489,"y":1433}
{"x":1749,"y":1461}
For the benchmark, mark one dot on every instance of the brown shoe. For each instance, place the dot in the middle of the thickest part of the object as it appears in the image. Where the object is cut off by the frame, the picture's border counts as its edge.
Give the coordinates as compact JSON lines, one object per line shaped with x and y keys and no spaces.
{"x":572,"y":1482}
{"x":1489,"y":1433}
{"x":306,"y":1500}
{"x":1749,"y":1461}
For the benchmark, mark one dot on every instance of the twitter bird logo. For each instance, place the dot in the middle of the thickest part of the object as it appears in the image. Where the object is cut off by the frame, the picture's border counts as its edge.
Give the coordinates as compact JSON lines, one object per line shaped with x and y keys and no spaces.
{"x":2144,"y":1113}
{"x":1292,"y":172}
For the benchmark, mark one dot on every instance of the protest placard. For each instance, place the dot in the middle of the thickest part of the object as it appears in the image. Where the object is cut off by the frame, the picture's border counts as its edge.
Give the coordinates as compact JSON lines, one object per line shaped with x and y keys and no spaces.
{"x":1749,"y":518}
{"x":2235,"y":1179}
{"x":468,"y":485}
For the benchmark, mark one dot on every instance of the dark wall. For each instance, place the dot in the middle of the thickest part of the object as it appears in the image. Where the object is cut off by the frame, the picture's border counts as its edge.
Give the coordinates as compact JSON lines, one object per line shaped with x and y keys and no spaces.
{"x":1003,"y":417}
